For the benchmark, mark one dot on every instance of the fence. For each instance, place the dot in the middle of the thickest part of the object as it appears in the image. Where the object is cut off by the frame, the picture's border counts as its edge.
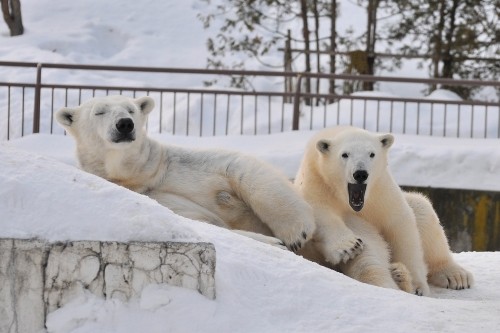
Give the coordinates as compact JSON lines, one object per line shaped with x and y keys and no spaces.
{"x":28,"y":107}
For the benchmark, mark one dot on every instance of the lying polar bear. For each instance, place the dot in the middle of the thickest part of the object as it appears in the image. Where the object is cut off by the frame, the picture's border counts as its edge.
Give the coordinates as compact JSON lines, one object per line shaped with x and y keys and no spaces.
{"x":224,"y":188}
{"x":345,"y":177}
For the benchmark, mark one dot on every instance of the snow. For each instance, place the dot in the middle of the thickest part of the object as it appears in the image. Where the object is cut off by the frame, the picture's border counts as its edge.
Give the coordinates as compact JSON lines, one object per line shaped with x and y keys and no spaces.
{"x":259,"y":288}
{"x":414,"y":160}
{"x":31,"y":183}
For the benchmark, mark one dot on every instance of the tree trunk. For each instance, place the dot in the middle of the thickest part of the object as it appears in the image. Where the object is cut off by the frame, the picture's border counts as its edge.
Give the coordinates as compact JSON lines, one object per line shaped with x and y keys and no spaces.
{"x":438,"y":44}
{"x":447,"y":56}
{"x":12,"y":15}
{"x":288,"y":66}
{"x":370,"y":41}
{"x":316,"y":36}
{"x":333,"y":45}
{"x":307,"y":49}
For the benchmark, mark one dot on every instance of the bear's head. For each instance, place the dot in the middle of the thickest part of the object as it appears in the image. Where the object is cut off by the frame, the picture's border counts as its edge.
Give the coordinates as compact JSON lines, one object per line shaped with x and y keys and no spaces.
{"x":352,"y":161}
{"x":111,"y":121}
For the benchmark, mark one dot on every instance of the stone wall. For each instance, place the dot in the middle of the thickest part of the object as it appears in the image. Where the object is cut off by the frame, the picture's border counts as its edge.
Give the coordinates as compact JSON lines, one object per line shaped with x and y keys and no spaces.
{"x":471,"y":219}
{"x":38,"y":277}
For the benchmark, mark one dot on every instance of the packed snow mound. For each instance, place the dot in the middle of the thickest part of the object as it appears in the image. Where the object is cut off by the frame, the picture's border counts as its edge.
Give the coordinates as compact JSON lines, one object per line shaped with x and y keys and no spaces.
{"x":443,"y":94}
{"x":43,"y":198}
{"x":259,"y":287}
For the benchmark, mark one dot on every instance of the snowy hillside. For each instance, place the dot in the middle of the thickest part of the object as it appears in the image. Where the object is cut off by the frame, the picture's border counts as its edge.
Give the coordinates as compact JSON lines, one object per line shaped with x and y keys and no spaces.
{"x":259,"y":288}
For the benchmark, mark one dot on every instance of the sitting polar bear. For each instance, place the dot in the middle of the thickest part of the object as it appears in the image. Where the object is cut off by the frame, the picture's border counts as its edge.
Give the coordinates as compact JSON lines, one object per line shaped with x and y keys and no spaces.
{"x":224,"y":188}
{"x":345,"y":177}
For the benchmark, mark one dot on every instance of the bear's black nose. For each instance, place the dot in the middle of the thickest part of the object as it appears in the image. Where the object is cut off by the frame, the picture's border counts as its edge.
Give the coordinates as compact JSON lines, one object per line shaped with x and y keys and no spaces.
{"x":360,"y":176}
{"x":125,"y":125}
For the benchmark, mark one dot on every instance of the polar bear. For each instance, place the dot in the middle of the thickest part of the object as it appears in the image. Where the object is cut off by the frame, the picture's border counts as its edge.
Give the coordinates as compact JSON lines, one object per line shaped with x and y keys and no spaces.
{"x":345,"y":177}
{"x":224,"y":188}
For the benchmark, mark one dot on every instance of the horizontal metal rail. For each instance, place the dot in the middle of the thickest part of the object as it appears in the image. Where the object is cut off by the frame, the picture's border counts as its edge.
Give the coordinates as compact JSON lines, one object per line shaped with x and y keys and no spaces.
{"x":173,"y":70}
{"x":219,"y":111}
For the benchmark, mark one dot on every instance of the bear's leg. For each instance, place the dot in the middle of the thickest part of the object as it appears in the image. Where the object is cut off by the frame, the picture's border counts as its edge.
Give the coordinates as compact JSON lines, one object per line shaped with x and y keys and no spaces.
{"x":262,"y":238}
{"x":243,"y":220}
{"x":402,"y":276}
{"x":442,"y":269}
{"x":404,"y":241}
{"x":272,"y":198}
{"x":372,"y":266}
{"x":186,"y":208}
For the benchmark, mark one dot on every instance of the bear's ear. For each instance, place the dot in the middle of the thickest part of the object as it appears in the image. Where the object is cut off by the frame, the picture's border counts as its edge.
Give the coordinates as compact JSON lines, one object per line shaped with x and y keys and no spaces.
{"x":387,"y":140}
{"x":146,"y":104}
{"x":323,"y":146}
{"x":65,"y":116}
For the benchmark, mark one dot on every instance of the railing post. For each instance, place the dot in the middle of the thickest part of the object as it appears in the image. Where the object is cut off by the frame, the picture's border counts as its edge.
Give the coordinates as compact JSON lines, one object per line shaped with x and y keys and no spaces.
{"x":38,"y":88}
{"x":296,"y":104}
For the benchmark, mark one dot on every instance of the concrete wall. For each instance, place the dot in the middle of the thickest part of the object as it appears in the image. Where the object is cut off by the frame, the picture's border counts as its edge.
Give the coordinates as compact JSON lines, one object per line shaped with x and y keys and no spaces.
{"x":37,"y":277}
{"x":471,"y":218}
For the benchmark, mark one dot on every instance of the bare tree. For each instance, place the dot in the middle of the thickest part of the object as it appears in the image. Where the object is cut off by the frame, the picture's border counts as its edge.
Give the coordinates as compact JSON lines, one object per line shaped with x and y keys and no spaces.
{"x":318,"y":48}
{"x":450,"y":41}
{"x":333,"y":43}
{"x":307,"y":49}
{"x":12,"y":15}
{"x":371,"y":38}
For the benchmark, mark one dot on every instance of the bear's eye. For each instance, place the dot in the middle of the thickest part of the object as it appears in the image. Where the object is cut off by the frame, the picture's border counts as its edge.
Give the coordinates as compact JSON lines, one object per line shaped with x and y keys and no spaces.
{"x":345,"y":155}
{"x":372,"y":155}
{"x":99,"y":113}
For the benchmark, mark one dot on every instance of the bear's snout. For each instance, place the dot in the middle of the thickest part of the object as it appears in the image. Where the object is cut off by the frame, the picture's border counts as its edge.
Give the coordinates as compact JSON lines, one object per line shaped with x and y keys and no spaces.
{"x":125,"y":125}
{"x":360,"y":176}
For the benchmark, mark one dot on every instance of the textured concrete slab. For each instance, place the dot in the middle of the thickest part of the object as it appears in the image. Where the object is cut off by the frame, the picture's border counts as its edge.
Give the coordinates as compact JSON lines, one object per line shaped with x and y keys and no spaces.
{"x":37,"y":277}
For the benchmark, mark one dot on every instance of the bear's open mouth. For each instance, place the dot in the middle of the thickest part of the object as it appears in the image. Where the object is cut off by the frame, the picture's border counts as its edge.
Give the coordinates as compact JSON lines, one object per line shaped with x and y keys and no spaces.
{"x":356,"y":195}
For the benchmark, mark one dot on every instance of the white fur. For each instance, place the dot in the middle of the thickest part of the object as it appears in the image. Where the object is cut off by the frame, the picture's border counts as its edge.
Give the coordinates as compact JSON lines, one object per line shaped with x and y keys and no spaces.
{"x":407,"y":222}
{"x":224,"y":188}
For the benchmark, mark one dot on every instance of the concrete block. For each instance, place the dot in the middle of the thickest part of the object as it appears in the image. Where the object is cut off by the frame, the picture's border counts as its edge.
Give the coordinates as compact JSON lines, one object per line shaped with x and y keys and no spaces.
{"x":37,"y":277}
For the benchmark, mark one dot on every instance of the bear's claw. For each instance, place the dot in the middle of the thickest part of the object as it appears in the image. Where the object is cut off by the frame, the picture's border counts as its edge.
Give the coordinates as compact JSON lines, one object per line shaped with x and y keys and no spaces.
{"x":295,"y":238}
{"x":295,"y":246}
{"x":346,"y":250}
{"x":452,"y":277}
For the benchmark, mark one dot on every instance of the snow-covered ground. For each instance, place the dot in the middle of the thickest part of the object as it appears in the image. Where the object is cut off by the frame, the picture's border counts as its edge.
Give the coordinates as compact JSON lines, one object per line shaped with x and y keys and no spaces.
{"x":259,"y":288}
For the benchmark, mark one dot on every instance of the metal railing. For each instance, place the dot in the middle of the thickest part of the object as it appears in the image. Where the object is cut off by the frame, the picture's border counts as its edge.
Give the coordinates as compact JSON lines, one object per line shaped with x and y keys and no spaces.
{"x":28,"y":107}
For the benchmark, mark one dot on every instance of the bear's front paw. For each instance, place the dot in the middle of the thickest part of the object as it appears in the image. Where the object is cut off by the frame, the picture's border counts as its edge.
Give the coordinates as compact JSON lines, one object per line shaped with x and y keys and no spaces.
{"x":344,"y":249}
{"x":296,"y":244}
{"x":451,"y":277}
{"x":295,"y":238}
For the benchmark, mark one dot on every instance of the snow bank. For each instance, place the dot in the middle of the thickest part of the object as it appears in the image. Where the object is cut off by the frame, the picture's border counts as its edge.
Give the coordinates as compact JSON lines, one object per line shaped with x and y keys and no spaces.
{"x":43,"y":198}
